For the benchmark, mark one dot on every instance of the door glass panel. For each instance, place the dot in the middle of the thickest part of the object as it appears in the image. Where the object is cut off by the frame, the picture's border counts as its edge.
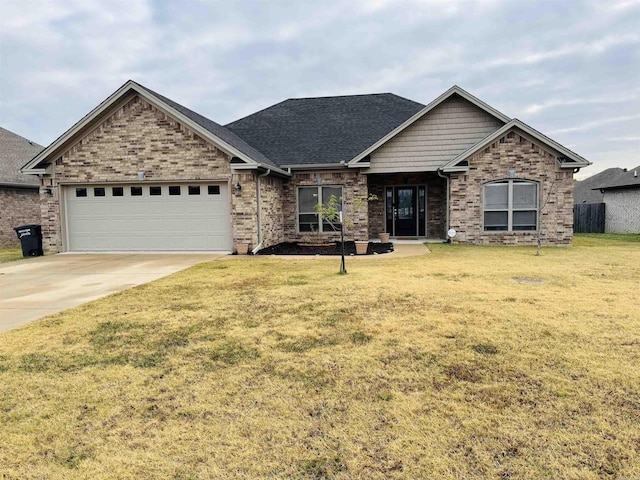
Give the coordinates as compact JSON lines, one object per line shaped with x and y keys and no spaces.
{"x":405,"y":204}
{"x":422,"y":211}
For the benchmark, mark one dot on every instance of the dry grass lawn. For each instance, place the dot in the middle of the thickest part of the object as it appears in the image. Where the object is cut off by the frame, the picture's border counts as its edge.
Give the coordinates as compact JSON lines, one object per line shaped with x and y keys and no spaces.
{"x":10,"y":254}
{"x":469,"y":362}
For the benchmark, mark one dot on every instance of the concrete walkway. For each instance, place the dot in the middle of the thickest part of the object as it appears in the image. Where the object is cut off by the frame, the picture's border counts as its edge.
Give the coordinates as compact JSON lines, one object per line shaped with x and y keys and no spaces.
{"x":36,"y":287}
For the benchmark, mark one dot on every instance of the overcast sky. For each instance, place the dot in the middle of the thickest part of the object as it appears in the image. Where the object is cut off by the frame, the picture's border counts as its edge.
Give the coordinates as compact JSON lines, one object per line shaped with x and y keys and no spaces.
{"x":567,"y":68}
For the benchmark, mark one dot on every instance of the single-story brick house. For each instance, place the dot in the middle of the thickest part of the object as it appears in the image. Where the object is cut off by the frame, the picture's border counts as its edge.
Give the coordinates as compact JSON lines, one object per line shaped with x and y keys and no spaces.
{"x":19,"y":197}
{"x":141,"y":172}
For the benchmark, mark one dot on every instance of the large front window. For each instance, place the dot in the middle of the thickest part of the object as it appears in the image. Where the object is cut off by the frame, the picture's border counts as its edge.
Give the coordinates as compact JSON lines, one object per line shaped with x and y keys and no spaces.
{"x":510,"y":205}
{"x":309,"y":220}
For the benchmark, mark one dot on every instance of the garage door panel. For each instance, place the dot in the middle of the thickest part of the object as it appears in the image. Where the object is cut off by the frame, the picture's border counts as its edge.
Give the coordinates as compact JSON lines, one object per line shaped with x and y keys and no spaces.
{"x":148,"y":222}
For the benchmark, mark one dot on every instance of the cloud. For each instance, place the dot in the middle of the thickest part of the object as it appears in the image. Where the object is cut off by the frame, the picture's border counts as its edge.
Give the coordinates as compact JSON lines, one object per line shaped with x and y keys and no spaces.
{"x":582,"y":101}
{"x":574,"y":66}
{"x":595,"y":124}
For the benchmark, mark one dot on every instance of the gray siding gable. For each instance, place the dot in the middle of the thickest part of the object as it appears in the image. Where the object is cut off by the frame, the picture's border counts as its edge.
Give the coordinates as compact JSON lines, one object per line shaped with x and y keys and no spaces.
{"x":435,"y":139}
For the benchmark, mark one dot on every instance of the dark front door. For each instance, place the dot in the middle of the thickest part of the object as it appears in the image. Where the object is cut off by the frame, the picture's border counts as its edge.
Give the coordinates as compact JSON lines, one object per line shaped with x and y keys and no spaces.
{"x":405,"y":211}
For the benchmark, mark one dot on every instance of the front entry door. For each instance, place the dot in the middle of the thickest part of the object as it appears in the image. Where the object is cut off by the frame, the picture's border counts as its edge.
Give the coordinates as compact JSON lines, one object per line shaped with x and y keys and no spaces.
{"x":405,"y":200}
{"x":406,"y":211}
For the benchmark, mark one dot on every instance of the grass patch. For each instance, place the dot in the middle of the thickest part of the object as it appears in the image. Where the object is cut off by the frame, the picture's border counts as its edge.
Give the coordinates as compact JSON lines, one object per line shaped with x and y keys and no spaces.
{"x":10,"y":254}
{"x":456,"y":371}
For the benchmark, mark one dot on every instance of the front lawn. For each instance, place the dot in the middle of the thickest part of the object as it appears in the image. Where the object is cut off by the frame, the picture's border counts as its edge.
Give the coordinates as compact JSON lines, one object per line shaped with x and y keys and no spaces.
{"x":469,"y":362}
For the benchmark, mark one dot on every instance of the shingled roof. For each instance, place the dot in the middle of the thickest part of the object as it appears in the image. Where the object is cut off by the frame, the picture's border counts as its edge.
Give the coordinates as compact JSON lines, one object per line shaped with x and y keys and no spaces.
{"x":627,"y":179}
{"x":15,"y":151}
{"x":324,"y":130}
{"x":588,"y":190}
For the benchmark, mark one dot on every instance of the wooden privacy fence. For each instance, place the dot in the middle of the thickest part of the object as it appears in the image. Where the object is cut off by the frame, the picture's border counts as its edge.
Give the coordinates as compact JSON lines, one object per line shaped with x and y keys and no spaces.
{"x":588,"y":218}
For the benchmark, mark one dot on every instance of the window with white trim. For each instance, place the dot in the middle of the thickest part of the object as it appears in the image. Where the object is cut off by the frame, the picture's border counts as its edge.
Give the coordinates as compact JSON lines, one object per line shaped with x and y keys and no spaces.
{"x":510,"y":205}
{"x":309,"y":219}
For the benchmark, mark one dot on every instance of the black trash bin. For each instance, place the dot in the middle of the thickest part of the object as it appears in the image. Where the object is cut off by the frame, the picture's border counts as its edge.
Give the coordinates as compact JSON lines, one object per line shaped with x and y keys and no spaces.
{"x":31,"y":238}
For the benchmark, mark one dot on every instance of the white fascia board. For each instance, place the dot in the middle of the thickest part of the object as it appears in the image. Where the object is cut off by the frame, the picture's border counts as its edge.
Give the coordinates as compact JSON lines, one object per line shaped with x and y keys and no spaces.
{"x":35,"y":171}
{"x":316,"y":166}
{"x":239,"y":166}
{"x":453,"y":90}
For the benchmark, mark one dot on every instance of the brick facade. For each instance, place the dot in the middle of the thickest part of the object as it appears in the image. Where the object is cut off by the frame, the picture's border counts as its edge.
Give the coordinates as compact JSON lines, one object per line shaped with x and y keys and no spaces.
{"x":436,"y":201}
{"x":354,"y":192}
{"x":529,"y":161}
{"x":18,"y":206}
{"x":137,"y":137}
{"x":271,"y":203}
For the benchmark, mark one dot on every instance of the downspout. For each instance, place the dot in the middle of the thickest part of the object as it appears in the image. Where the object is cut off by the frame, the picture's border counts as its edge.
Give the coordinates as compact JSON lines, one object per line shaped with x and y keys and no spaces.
{"x":446,"y":177}
{"x":259,"y":212}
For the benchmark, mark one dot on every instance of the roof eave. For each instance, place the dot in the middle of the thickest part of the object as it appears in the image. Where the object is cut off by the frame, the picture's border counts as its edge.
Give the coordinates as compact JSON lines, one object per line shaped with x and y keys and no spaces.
{"x":316,"y":166}
{"x":453,"y":90}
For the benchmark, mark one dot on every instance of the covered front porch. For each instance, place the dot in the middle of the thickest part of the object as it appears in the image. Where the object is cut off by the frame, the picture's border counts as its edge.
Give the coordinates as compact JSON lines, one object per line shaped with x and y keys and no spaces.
{"x":411,"y":205}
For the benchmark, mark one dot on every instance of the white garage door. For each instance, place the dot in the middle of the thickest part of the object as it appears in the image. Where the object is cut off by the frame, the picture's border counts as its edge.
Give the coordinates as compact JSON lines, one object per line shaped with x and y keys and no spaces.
{"x":177,"y":217}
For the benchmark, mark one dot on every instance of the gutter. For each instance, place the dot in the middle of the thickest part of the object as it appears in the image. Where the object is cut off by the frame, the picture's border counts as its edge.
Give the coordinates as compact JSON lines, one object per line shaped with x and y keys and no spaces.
{"x":259,"y":211}
{"x":446,"y":177}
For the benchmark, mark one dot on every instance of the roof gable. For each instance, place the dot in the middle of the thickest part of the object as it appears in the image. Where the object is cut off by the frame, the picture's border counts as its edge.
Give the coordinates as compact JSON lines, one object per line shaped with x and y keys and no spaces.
{"x":438,"y":136}
{"x":208,"y":129}
{"x":566,"y":157}
{"x":325,"y":130}
{"x":455,"y":90}
{"x":15,"y":151}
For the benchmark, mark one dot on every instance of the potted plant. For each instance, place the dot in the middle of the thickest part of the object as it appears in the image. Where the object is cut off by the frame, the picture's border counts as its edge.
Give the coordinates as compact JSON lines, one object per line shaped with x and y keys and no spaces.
{"x":242,"y":248}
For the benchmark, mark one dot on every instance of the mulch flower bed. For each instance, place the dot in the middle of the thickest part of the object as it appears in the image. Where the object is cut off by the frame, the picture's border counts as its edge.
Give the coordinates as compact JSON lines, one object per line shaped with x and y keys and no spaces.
{"x":295,"y":248}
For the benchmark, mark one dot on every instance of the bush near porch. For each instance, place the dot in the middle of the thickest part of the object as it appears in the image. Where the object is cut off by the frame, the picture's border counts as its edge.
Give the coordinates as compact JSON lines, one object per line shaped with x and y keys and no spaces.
{"x":469,"y":362}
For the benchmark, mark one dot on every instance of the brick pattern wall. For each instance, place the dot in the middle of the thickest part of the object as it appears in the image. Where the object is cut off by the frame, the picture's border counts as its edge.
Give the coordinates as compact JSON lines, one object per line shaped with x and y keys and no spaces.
{"x":271,"y":201}
{"x":436,"y":200}
{"x":530,"y":162}
{"x":244,"y":209}
{"x":138,"y":137}
{"x":354,"y":191}
{"x":18,"y":206}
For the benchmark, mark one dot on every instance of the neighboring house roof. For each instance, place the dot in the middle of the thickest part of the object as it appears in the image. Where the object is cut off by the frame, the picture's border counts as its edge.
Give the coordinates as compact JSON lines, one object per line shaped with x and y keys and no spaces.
{"x":587,"y":190}
{"x":208,"y":129}
{"x":15,"y":151}
{"x":627,"y":179}
{"x":569,"y":160}
{"x":325,"y":130}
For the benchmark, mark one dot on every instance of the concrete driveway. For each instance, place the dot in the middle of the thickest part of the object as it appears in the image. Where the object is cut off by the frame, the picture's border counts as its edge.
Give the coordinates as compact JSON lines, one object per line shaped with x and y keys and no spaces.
{"x":34,"y":288}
